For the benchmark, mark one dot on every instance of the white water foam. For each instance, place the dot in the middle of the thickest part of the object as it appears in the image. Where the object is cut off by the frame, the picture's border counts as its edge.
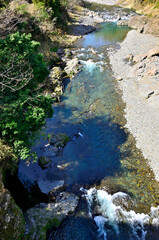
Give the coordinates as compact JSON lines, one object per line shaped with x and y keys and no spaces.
{"x":89,"y":65}
{"x":100,"y":222}
{"x":111,"y":213}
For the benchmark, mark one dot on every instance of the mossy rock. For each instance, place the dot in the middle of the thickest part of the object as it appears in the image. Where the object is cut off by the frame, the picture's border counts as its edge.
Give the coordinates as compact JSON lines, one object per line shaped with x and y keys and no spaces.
{"x":46,"y":215}
{"x":59,"y":140}
{"x":11,"y":216}
{"x":43,"y":161}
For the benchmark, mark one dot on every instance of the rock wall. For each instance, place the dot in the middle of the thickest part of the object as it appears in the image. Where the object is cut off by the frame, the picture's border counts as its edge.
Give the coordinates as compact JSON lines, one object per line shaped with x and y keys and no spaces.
{"x":11,"y":217}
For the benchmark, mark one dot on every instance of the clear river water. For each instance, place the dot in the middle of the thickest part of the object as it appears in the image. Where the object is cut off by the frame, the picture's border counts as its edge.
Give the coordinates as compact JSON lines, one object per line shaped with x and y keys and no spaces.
{"x":101,"y":163}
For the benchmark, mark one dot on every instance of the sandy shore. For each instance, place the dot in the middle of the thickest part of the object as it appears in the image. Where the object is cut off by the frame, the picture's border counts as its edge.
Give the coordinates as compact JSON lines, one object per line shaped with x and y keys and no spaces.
{"x":106,"y":2}
{"x":138,"y":81}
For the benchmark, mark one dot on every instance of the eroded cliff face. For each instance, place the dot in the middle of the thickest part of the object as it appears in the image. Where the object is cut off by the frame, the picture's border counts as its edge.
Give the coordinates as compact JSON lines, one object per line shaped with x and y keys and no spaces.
{"x":11,"y":217}
{"x":144,"y":7}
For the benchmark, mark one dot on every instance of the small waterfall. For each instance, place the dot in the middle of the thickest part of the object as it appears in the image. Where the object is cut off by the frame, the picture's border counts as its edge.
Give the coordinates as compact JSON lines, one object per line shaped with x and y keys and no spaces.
{"x":111,"y":214}
{"x":89,"y":65}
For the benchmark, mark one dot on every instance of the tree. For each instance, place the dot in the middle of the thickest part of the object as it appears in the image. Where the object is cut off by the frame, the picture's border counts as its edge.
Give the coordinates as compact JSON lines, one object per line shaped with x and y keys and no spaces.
{"x":23,"y":107}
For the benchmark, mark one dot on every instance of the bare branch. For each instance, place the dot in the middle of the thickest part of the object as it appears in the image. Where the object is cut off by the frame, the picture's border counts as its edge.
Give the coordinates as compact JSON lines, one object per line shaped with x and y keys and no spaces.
{"x":15,"y":74}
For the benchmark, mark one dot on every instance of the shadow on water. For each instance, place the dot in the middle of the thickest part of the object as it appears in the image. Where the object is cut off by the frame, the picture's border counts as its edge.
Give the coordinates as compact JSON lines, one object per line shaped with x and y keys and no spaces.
{"x":86,"y":159}
{"x":75,"y":228}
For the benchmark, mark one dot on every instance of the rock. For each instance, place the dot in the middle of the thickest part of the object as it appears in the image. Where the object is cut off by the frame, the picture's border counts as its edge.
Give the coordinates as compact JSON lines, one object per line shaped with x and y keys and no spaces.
{"x":145,"y":24}
{"x":51,"y":152}
{"x":150,"y":94}
{"x":47,"y":186}
{"x":56,"y":83}
{"x":130,"y":57}
{"x":60,"y":51}
{"x":72,"y":66}
{"x":44,"y":216}
{"x":139,"y":58}
{"x":153,"y":52}
{"x":137,"y":22}
{"x":122,"y":23}
{"x":140,"y":71}
{"x":141,"y":65}
{"x":68,"y":53}
{"x":11,"y":216}
{"x":118,"y":17}
{"x":153,"y":72}
{"x":119,"y":78}
{"x":59,"y":140}
{"x":81,"y":91}
{"x":44,"y":162}
{"x":93,"y":106}
{"x":79,"y":30}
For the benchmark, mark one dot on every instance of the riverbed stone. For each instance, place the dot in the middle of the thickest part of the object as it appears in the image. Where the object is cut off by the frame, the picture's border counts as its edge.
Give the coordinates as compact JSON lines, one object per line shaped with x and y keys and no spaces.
{"x":56,"y":83}
{"x":72,"y":66}
{"x":46,"y":215}
{"x":51,"y":151}
{"x":44,"y":161}
{"x":123,"y":23}
{"x":94,"y":106}
{"x":47,"y":186}
{"x":59,"y":140}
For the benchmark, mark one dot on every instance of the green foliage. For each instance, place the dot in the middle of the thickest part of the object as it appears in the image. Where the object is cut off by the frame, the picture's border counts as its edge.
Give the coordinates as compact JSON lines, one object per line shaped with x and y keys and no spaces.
{"x":54,"y":49}
{"x":55,"y":7}
{"x":55,"y":222}
{"x":23,"y":107}
{"x":3,"y":3}
{"x":21,"y":8}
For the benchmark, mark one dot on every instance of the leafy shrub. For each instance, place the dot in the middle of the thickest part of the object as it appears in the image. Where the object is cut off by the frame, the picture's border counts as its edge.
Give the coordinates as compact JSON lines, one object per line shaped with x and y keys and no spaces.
{"x":23,"y":107}
{"x":56,"y":8}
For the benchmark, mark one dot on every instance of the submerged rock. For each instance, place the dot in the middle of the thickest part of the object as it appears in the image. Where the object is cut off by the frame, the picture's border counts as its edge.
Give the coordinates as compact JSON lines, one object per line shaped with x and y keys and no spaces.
{"x":44,"y":162}
{"x":95,"y":105}
{"x":59,"y":140}
{"x":44,"y":216}
{"x":47,"y":186}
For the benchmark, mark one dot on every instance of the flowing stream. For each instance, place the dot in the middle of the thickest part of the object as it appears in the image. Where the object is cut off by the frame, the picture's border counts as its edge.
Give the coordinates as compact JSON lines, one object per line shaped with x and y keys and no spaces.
{"x":101,"y":153}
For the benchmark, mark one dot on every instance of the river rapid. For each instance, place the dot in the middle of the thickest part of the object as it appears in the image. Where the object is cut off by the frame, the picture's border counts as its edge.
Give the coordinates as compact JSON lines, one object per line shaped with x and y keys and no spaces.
{"x":101,"y":163}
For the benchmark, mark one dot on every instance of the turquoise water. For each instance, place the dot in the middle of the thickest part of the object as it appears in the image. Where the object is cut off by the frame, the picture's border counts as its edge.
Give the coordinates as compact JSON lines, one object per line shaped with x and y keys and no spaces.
{"x":86,"y":108}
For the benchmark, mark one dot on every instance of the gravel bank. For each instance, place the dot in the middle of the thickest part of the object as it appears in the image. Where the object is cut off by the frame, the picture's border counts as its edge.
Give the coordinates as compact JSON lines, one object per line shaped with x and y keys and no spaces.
{"x":142,"y":117}
{"x":106,"y":2}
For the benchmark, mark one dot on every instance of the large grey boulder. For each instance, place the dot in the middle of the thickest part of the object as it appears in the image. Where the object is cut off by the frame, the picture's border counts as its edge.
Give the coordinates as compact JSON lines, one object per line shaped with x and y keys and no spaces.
{"x":46,"y":215}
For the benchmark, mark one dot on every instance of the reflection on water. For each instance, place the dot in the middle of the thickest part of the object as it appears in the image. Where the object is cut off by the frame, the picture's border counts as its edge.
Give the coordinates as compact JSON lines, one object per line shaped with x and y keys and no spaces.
{"x":108,"y":33}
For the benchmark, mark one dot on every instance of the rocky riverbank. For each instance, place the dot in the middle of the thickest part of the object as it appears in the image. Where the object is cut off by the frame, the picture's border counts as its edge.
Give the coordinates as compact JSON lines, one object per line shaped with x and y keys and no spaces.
{"x":136,"y":66}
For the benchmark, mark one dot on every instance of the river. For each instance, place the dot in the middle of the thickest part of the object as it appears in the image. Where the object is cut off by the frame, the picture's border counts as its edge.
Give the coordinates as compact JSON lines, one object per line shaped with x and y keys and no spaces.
{"x":101,"y":163}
